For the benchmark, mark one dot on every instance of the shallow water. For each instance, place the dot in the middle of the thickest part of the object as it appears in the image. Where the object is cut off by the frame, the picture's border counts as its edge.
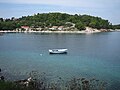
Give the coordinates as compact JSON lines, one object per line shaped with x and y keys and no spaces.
{"x":89,"y":55}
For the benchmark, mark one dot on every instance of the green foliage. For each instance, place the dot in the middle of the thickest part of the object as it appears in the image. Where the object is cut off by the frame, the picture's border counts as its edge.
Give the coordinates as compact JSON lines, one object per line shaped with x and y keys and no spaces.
{"x":7,"y":85}
{"x":52,"y":19}
{"x":80,"y":26}
{"x":116,"y":26}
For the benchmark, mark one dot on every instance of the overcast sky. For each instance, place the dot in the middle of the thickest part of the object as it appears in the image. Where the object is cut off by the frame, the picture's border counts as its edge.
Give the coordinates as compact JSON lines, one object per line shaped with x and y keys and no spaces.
{"x":107,"y":9}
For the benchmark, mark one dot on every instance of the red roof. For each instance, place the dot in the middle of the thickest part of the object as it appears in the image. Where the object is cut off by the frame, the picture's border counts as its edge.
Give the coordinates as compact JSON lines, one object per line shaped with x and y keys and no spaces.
{"x":25,"y":27}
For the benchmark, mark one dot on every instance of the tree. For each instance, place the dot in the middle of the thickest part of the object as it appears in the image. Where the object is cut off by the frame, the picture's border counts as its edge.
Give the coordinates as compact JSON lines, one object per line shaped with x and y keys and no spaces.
{"x":80,"y":26}
{"x":52,"y":19}
{"x":1,"y":19}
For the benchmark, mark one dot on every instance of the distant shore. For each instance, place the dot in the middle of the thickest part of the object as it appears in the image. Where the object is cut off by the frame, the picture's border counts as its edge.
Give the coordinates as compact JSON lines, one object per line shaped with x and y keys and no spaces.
{"x":89,"y":30}
{"x":8,"y":31}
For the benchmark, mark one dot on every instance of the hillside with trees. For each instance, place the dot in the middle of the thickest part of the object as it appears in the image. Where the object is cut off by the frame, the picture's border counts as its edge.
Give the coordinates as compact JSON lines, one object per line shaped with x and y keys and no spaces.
{"x":116,"y":26}
{"x":55,"y":19}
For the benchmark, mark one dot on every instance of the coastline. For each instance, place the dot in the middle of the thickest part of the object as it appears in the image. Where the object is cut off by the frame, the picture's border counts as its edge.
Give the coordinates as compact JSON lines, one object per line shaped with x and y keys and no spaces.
{"x":86,"y":31}
{"x":83,"y":31}
{"x":118,"y":30}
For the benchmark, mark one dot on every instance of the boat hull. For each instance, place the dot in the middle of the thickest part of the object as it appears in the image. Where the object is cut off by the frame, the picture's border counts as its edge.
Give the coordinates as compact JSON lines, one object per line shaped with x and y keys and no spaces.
{"x":58,"y":51}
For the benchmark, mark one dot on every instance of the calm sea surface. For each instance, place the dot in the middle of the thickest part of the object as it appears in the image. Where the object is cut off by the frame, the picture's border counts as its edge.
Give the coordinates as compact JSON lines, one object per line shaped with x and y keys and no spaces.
{"x":89,"y":55}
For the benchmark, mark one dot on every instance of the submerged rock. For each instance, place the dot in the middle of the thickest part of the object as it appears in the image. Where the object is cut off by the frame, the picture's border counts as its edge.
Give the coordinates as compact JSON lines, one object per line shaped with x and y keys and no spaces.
{"x":2,"y":78}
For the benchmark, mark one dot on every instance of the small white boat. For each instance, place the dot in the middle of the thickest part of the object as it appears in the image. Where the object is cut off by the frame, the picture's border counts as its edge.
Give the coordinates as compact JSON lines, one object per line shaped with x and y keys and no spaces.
{"x":57,"y":51}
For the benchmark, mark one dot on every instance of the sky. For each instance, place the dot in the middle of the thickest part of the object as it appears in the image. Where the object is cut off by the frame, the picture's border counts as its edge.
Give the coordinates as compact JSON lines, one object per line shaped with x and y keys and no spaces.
{"x":106,"y":9}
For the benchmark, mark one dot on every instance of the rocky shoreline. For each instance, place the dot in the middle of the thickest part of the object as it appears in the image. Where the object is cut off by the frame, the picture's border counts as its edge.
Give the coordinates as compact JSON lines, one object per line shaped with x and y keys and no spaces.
{"x":88,"y":30}
{"x":8,"y":31}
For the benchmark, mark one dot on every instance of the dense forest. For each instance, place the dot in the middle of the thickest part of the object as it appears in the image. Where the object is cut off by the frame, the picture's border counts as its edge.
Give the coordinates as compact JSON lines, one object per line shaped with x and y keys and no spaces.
{"x":56,"y":19}
{"x":116,"y":26}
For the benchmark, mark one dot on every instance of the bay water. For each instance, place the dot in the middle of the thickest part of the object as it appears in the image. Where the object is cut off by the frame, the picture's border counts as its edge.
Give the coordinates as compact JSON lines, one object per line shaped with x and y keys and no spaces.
{"x":89,"y":55}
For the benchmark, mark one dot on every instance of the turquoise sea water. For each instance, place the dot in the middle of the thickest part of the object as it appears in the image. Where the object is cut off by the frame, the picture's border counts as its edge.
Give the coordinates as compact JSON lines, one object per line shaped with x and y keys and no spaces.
{"x":89,"y":55}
